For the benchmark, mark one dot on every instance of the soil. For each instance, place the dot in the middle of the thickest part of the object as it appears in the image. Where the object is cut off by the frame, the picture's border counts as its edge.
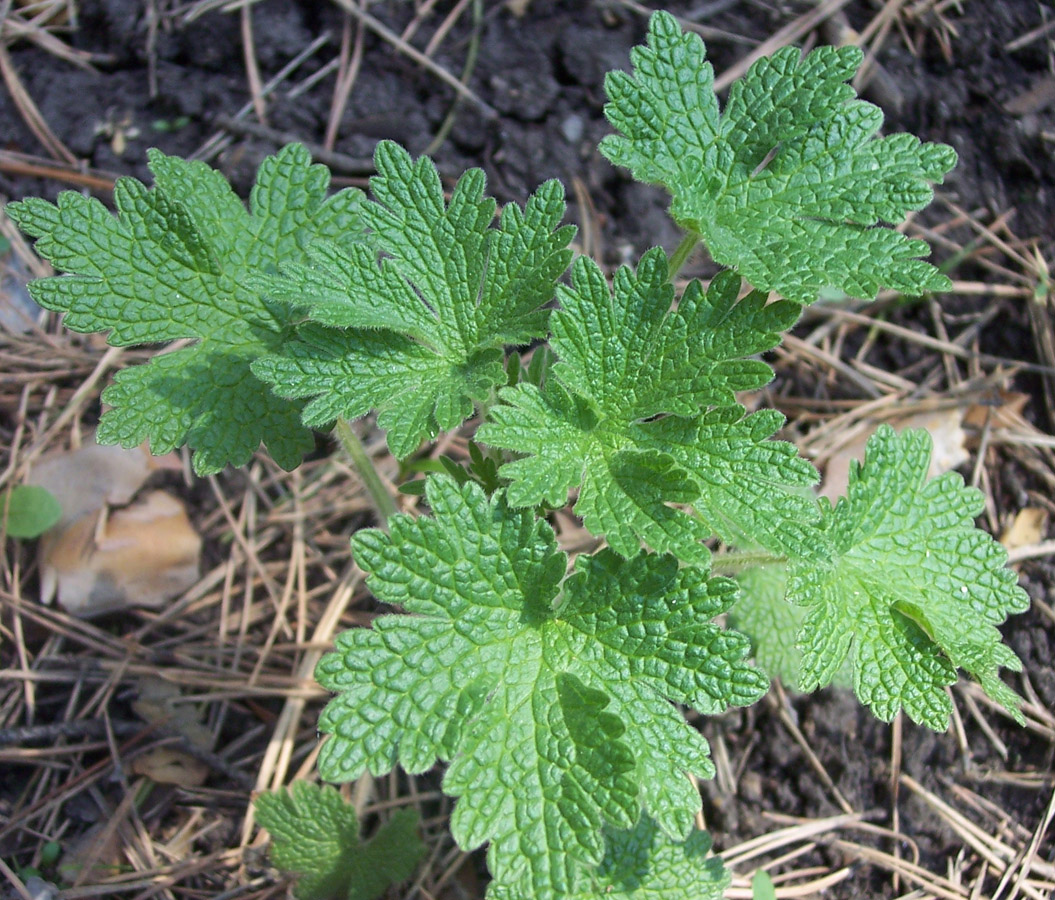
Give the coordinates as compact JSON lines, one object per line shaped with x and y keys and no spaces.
{"x":159,"y":80}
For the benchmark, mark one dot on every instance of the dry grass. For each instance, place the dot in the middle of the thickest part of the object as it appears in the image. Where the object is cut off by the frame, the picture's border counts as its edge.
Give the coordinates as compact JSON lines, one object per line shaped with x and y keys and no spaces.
{"x":279,"y":582}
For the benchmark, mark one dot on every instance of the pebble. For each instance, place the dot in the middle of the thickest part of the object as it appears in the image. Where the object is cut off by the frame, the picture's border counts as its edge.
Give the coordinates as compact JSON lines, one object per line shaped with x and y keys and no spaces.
{"x":39,"y":889}
{"x":572,"y":129}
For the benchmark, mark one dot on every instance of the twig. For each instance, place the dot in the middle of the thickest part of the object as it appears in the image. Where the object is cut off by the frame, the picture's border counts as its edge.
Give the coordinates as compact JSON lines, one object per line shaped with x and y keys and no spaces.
{"x":252,"y":67}
{"x":924,"y":340}
{"x":14,"y":881}
{"x":14,"y":27}
{"x":689,"y":22}
{"x":787,"y":35}
{"x":347,"y":72}
{"x":467,"y":69}
{"x":22,"y":735}
{"x":30,"y":113}
{"x":1029,"y":37}
{"x":217,"y":142}
{"x":23,"y":164}
{"x":782,"y":705}
{"x":420,"y":58}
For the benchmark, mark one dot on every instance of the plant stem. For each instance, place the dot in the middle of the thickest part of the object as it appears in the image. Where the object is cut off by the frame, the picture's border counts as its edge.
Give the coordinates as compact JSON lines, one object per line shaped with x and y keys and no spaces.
{"x":384,"y":505}
{"x":736,"y":562}
{"x":683,"y":252}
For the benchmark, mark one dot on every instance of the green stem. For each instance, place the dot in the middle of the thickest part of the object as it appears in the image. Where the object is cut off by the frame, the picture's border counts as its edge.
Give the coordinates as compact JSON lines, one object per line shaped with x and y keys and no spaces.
{"x":467,"y":70}
{"x":734,"y":563}
{"x":683,"y":252}
{"x":384,"y":505}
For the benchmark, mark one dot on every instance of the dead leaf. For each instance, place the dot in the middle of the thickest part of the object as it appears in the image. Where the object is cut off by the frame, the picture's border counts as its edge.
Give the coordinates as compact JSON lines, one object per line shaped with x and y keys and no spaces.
{"x":159,"y":703}
{"x":1026,"y":529}
{"x":947,"y":434}
{"x":141,"y":555}
{"x":518,"y":7}
{"x":93,"y":475}
{"x":98,"y":560}
{"x":166,"y":765}
{"x":1038,"y":97}
{"x":93,"y":856}
{"x":1005,"y":412}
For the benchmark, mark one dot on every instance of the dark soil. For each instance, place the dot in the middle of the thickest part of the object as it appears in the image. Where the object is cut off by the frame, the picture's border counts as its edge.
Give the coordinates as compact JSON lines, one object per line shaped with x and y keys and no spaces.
{"x":542,"y":76}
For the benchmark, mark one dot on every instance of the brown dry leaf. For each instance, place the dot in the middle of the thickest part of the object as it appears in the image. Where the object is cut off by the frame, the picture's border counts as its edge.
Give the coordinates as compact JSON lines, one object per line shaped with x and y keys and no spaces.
{"x":159,"y":703}
{"x":946,"y":431}
{"x":166,"y":765}
{"x":1005,"y":413}
{"x":1038,"y":97}
{"x":518,"y":7}
{"x":141,"y":555}
{"x":1026,"y":529}
{"x":85,"y":852}
{"x":86,"y":479}
{"x":97,"y":560}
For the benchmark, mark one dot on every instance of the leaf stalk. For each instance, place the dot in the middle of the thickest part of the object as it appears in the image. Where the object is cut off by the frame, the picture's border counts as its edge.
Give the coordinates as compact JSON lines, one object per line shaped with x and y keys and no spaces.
{"x":380,"y":498}
{"x":682,"y":253}
{"x":736,"y":562}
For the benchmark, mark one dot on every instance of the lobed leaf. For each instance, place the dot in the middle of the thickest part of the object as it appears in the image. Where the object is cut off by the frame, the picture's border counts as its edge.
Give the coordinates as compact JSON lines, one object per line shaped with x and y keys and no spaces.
{"x":551,"y":698}
{"x":627,"y":416}
{"x":914,"y":590}
{"x":763,"y":613}
{"x":789,"y":184}
{"x":420,"y":335}
{"x":643,"y":863}
{"x":315,"y":835}
{"x":177,"y":262}
{"x":753,"y":490}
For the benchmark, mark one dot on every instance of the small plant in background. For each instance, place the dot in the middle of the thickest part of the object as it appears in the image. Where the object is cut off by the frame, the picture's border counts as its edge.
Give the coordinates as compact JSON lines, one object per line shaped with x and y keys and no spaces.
{"x":762,"y":887}
{"x":315,"y":835}
{"x":28,"y":511}
{"x":550,"y":686}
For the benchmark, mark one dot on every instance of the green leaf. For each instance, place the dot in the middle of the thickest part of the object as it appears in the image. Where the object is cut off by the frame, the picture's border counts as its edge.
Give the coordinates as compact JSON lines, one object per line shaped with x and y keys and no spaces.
{"x":178,"y":262}
{"x":763,"y":613}
{"x":788,"y":184}
{"x":914,"y":590}
{"x":551,"y":697}
{"x":626,"y":415}
{"x":762,"y":886}
{"x":643,"y":863}
{"x":315,"y":835}
{"x":29,"y":511}
{"x":751,"y":487}
{"x":634,"y":357}
{"x":420,"y":336}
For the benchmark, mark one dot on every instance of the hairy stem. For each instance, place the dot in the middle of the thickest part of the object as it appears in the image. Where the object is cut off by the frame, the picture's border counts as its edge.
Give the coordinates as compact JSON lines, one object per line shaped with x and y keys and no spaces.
{"x":382,"y":501}
{"x":734,"y":563}
{"x":683,"y":252}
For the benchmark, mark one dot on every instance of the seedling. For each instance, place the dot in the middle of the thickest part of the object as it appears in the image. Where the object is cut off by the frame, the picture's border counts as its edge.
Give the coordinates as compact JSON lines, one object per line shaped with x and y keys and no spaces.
{"x":27,"y":511}
{"x":315,"y":836}
{"x":549,"y":685}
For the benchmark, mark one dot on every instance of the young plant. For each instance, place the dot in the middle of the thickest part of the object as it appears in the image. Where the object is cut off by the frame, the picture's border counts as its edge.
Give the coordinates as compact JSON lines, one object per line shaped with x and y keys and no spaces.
{"x":315,"y":836}
{"x":27,"y":511}
{"x":551,"y":686}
